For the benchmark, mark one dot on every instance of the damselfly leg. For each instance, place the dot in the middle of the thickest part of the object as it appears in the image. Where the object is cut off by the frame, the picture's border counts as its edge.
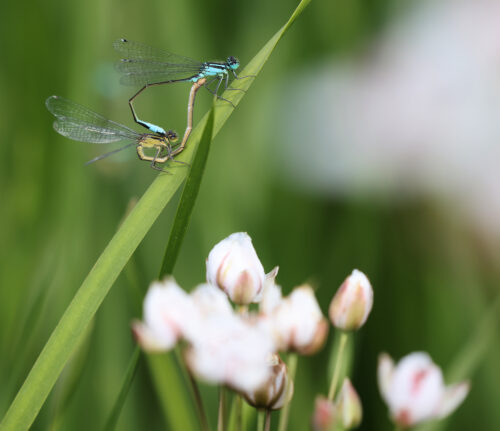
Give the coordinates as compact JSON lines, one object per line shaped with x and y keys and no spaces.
{"x":242,"y":77}
{"x":131,"y":104}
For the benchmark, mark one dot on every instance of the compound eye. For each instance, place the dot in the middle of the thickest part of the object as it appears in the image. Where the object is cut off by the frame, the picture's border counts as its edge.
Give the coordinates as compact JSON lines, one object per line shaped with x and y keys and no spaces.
{"x":172,"y":136}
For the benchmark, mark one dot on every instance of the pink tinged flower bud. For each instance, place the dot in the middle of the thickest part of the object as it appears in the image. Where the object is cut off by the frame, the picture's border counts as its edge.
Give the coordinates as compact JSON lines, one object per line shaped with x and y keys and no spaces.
{"x":414,"y":389}
{"x":324,"y":416}
{"x":349,"y":408}
{"x":272,"y":394}
{"x":352,"y":302}
{"x":234,"y":267}
{"x":167,"y":310}
{"x":296,"y":321}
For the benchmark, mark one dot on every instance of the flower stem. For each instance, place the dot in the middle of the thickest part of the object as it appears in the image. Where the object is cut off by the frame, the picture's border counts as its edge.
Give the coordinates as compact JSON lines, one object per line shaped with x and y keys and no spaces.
{"x":239,"y":415}
{"x":267,"y":426}
{"x":260,"y":420}
{"x":292,"y":368}
{"x":338,"y":365}
{"x":199,"y":403}
{"x":222,"y":410}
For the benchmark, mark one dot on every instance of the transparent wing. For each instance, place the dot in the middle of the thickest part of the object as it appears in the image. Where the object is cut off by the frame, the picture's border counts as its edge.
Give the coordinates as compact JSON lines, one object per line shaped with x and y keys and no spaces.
{"x":140,"y":51}
{"x":147,"y":77}
{"x":143,"y":64}
{"x":81,"y":124}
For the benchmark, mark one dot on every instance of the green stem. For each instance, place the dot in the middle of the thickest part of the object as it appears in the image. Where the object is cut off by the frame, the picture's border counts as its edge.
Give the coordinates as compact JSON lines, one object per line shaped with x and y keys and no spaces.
{"x":122,"y":395}
{"x":239,"y":416}
{"x":260,"y":420}
{"x":292,"y":368}
{"x":338,"y":365}
{"x":222,"y":410}
{"x":199,"y":402}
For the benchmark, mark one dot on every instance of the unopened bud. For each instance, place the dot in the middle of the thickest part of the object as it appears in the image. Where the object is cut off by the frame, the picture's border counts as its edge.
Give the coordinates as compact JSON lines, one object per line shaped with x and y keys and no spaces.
{"x":352,"y":302}
{"x":234,"y":267}
{"x":324,"y":417}
{"x":349,"y":408}
{"x":296,"y":320}
{"x":274,"y":393}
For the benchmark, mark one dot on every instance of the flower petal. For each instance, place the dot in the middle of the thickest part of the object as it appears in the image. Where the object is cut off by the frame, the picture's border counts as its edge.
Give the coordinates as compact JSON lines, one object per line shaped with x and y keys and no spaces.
{"x":452,"y":398}
{"x":385,"y":372}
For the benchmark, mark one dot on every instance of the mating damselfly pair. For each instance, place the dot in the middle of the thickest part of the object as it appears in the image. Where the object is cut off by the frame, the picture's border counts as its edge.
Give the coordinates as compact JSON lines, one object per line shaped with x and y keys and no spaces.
{"x":144,"y":66}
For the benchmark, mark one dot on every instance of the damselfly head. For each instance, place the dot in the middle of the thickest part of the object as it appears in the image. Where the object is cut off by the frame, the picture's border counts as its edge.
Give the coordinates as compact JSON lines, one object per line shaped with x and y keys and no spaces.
{"x":233,"y":62}
{"x":172,"y":136}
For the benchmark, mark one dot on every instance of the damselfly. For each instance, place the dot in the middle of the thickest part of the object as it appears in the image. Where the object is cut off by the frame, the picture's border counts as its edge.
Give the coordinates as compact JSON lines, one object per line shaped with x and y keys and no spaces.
{"x":147,"y":66}
{"x":81,"y":124}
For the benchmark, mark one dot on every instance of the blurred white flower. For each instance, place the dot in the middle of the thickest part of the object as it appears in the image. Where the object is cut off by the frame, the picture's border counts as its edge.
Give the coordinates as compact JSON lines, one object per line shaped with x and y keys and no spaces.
{"x":345,"y":411}
{"x":348,"y":405}
{"x":233,"y":266}
{"x":296,"y":320}
{"x":210,"y":300}
{"x":273,"y":393}
{"x":167,"y":311}
{"x":228,"y":350}
{"x":223,"y":347}
{"x":352,"y":302}
{"x":414,"y":389}
{"x":415,"y":114}
{"x":271,"y":296}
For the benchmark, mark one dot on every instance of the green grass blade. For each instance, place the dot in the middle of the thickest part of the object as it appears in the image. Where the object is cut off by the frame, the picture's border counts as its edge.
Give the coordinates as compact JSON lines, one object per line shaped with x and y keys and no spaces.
{"x":188,"y":199}
{"x":70,"y":329}
{"x":122,"y":396}
{"x":84,"y":305}
{"x":172,"y":392}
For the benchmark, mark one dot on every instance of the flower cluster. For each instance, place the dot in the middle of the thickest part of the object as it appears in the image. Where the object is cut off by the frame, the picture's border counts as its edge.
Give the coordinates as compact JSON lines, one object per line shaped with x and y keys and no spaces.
{"x":236,"y":348}
{"x":227,"y":343}
{"x":223,"y":347}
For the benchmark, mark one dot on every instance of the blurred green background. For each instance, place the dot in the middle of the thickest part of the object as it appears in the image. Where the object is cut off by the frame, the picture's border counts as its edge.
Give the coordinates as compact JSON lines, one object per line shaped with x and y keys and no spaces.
{"x":434,"y":277}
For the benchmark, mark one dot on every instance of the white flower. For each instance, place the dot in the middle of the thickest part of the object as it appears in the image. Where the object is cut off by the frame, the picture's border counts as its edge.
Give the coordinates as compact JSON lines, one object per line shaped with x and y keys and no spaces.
{"x":274,"y":393}
{"x":228,"y":350}
{"x":352,"y":302}
{"x":296,"y":321}
{"x":210,"y":300}
{"x":234,"y":267}
{"x":167,"y":310}
{"x":271,"y":296}
{"x":414,"y":389}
